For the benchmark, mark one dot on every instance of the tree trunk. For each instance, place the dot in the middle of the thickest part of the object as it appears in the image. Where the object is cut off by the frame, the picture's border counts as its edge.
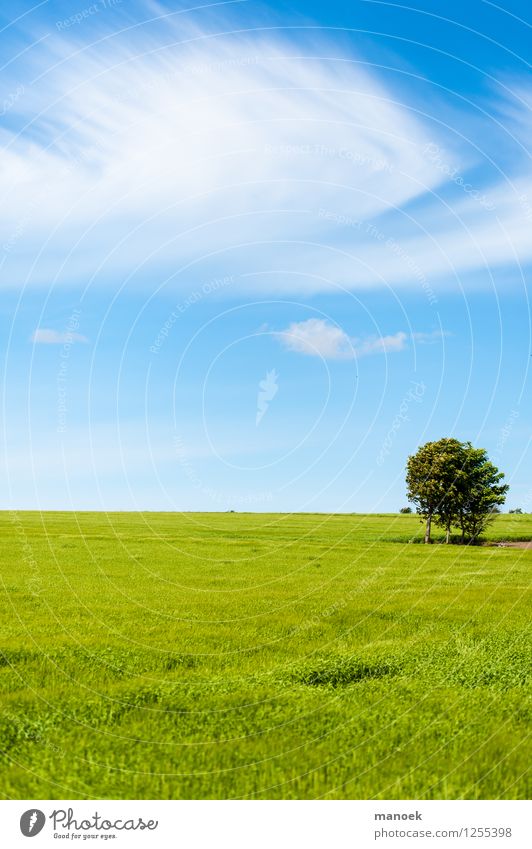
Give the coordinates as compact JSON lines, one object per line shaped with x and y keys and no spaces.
{"x":447,"y":535}
{"x":462,"y":526}
{"x":427,"y":529}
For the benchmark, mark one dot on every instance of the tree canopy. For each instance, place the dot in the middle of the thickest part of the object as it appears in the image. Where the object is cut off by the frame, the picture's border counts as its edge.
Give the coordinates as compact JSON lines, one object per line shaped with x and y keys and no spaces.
{"x":453,"y":484}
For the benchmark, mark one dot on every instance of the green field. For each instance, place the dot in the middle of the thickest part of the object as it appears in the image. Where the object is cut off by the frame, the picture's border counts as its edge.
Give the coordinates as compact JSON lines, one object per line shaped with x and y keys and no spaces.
{"x":295,"y":656}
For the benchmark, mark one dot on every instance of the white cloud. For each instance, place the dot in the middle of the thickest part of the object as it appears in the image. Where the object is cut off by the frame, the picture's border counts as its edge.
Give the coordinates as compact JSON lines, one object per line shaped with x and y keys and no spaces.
{"x":383,"y":344}
{"x":319,"y":338}
{"x":46,"y":336}
{"x":198,"y":148}
{"x":222,"y":151}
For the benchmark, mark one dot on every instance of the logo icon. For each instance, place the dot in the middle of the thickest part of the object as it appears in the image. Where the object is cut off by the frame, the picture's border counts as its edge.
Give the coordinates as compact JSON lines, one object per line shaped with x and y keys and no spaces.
{"x":32,"y":822}
{"x":267,"y":391}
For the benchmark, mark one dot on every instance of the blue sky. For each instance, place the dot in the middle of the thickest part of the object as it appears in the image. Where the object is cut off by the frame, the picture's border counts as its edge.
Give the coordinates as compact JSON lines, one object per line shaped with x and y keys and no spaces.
{"x":252,"y":257}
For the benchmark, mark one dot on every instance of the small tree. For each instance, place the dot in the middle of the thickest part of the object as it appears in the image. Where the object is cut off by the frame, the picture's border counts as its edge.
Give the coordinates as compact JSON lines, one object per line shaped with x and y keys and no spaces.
{"x":431,"y":482}
{"x":453,"y":484}
{"x":405,"y":510}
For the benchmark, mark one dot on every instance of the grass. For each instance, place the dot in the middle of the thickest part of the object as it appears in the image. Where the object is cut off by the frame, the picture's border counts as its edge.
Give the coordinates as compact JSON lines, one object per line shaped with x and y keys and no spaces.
{"x":266,"y":656}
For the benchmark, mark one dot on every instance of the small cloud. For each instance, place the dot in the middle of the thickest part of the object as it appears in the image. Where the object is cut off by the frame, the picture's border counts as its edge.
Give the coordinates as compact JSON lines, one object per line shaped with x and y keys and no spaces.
{"x":45,"y":336}
{"x":319,"y":338}
{"x":382,"y":344}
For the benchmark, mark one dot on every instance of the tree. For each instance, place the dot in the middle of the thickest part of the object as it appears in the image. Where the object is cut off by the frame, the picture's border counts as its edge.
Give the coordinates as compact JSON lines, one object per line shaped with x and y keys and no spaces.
{"x":454,"y":484}
{"x":432,"y":482}
{"x":480,"y":492}
{"x":405,"y":510}
{"x":453,"y":458}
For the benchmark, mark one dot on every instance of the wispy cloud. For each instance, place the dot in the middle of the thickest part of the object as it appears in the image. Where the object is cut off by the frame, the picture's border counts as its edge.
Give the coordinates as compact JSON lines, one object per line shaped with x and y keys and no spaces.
{"x":223,"y":150}
{"x":212,"y":144}
{"x":46,"y":336}
{"x":382,"y":344}
{"x":316,"y":337}
{"x":430,"y":338}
